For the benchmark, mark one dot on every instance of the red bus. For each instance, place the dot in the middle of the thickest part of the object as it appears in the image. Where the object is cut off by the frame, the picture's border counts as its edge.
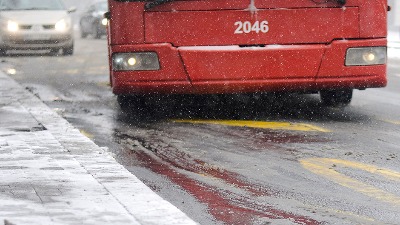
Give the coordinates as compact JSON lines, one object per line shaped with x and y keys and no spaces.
{"x":165,"y":47}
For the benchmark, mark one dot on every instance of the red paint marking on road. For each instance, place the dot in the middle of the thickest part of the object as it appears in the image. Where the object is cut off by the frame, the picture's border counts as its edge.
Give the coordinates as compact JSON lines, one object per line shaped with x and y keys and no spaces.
{"x":182,"y":160}
{"x":220,"y":203}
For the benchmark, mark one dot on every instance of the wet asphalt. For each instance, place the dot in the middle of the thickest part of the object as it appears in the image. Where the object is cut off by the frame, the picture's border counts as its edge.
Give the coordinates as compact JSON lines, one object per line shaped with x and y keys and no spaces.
{"x":221,"y":174}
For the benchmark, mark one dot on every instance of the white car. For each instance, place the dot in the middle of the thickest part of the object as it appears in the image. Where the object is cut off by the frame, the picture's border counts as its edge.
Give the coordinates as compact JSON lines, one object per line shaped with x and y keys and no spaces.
{"x":35,"y":25}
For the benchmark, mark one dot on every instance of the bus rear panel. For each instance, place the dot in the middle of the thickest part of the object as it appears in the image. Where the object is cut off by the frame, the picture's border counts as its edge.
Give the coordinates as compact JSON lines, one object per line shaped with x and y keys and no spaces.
{"x":246,"y":46}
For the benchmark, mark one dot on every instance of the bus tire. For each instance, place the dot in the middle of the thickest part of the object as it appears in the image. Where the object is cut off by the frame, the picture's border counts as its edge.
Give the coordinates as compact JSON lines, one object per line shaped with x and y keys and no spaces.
{"x":336,"y":97}
{"x":130,"y":102}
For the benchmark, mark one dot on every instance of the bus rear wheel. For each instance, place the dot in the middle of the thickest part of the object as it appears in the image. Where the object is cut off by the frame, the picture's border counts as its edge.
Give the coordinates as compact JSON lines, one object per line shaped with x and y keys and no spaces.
{"x":336,"y":97}
{"x":130,"y":102}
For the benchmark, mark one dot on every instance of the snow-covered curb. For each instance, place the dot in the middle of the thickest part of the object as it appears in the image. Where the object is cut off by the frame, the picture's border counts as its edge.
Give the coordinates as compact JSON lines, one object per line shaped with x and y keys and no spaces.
{"x":81,"y":156}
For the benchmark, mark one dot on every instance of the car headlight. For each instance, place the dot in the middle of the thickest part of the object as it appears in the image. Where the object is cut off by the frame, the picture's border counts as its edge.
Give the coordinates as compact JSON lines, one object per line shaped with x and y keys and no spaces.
{"x":104,"y":21}
{"x":12,"y":26}
{"x":61,"y":25}
{"x":365,"y":56}
{"x":135,"y":61}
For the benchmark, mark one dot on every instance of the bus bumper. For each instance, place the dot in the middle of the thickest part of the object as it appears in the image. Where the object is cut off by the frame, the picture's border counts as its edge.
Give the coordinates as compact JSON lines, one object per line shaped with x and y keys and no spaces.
{"x":238,"y":69}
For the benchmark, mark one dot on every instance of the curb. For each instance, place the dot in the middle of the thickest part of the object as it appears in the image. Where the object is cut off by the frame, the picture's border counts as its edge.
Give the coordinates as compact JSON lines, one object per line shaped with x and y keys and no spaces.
{"x":75,"y":154}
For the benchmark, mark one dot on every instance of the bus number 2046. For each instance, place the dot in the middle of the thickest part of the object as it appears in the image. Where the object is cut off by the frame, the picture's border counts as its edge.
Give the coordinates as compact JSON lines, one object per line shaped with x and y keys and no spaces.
{"x":245,"y":27}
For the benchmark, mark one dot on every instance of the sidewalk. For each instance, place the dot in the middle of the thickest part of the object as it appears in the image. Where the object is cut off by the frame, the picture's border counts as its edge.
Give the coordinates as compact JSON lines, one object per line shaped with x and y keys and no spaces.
{"x":52,"y":174}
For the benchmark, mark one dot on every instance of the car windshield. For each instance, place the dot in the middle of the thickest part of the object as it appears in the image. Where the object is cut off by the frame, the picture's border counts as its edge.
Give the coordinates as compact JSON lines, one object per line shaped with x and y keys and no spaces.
{"x":31,"y":5}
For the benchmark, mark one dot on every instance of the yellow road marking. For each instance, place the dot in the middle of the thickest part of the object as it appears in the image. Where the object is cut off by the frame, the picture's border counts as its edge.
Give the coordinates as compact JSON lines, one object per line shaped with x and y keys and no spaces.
{"x":103,"y":84}
{"x":259,"y":124}
{"x":393,"y":121}
{"x":72,"y":71}
{"x":324,"y":167}
{"x":87,"y":134}
{"x":348,"y":214}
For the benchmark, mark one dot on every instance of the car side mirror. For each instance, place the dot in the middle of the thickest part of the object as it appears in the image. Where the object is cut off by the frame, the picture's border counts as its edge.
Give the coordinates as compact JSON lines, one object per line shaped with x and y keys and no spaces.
{"x":71,"y":10}
{"x":107,"y":15}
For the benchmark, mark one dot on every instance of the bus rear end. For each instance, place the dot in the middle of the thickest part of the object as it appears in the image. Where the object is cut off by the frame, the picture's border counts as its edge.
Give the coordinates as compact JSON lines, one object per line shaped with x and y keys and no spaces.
{"x":168,"y":47}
